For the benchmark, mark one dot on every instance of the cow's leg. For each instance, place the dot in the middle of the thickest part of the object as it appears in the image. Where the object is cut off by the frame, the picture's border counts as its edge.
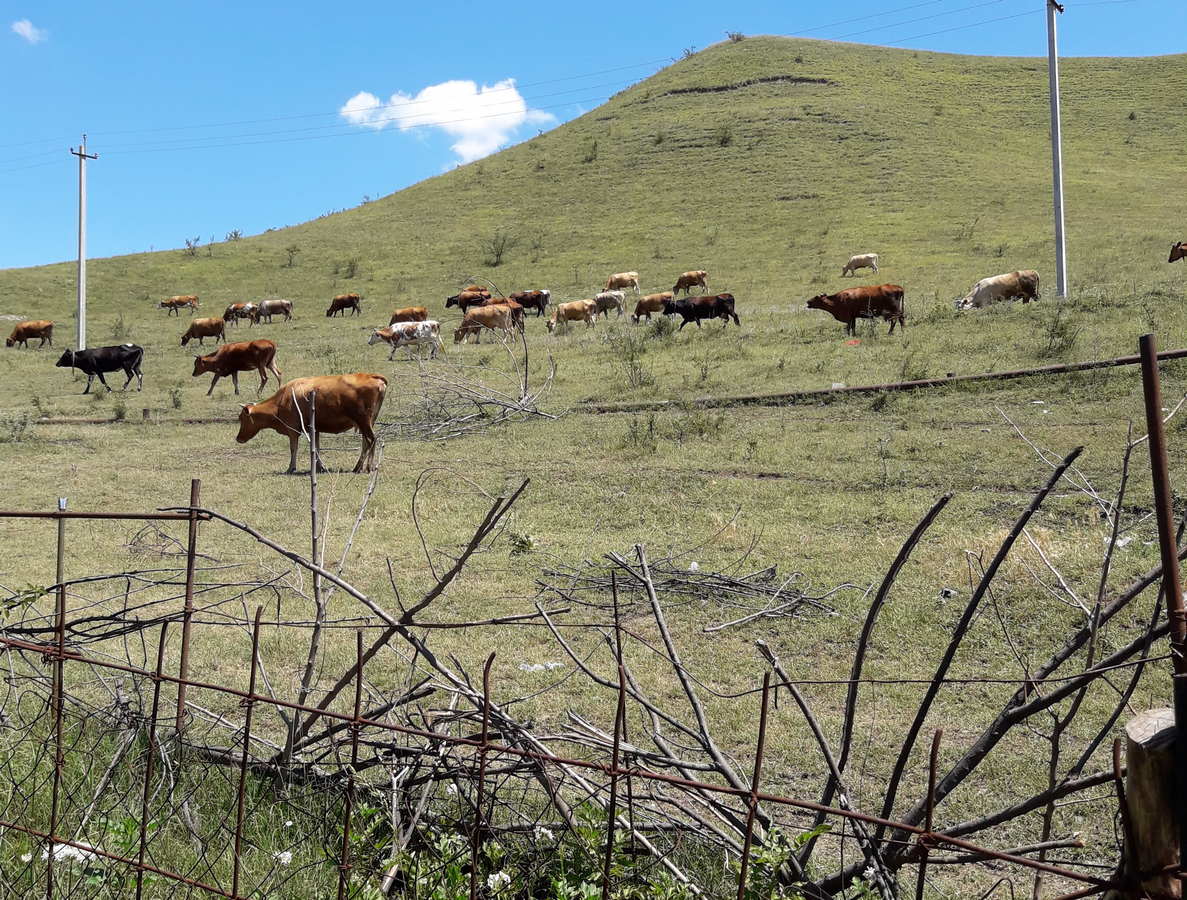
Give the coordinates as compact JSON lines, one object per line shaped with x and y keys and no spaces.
{"x":139,"y":377}
{"x":213,"y":382}
{"x":102,"y":379}
{"x":294,"y":440}
{"x":367,"y":452}
{"x":90,"y":379}
{"x":128,"y":372}
{"x":317,"y":450}
{"x":235,"y":381}
{"x":392,"y":354}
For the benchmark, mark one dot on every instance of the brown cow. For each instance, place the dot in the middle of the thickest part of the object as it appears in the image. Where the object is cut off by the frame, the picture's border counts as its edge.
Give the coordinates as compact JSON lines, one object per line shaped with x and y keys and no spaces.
{"x":874,"y":301}
{"x":623,"y":280}
{"x":409,"y":314}
{"x":574,"y":311}
{"x":689,"y":280}
{"x":41,"y":328}
{"x":342,"y":303}
{"x":514,"y":306}
{"x":174,"y":304}
{"x":204,"y":328}
{"x":650,"y":303}
{"x":477,"y":288}
{"x":465,"y":299}
{"x":332,"y":404}
{"x":492,"y":317}
{"x":537,"y":300}
{"x":242,"y":356}
{"x":1178,"y":251}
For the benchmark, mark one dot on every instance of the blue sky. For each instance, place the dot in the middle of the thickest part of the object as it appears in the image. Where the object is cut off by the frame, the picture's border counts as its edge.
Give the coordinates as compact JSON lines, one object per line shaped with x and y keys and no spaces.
{"x":216,"y":116}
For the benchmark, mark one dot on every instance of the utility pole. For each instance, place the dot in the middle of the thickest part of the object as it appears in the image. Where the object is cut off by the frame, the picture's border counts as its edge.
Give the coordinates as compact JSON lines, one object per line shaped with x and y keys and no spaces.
{"x":1056,"y":149}
{"x":83,"y":156}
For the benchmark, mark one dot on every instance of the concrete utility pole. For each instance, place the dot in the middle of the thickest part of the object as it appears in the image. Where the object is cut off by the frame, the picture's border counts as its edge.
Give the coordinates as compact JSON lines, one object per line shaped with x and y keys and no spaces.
{"x":1056,"y":149}
{"x":83,"y":156}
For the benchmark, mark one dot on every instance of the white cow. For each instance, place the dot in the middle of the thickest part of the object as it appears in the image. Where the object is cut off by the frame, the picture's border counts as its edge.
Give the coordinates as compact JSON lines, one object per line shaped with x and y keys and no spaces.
{"x":408,"y":335}
{"x":608,"y":300}
{"x":1024,"y":284}
{"x":860,"y":261}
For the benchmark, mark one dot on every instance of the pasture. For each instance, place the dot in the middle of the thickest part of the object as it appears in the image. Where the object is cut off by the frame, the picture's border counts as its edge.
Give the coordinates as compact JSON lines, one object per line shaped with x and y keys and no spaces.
{"x":768,"y":163}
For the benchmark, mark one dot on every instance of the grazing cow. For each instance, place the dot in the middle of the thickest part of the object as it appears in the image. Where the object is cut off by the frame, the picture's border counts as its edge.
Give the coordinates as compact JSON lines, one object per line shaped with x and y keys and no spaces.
{"x":608,"y":300}
{"x":496,"y":318}
{"x":693,"y":309}
{"x":409,"y":335}
{"x":331,"y":403}
{"x":409,"y":314}
{"x":174,"y":304}
{"x":204,"y":328}
{"x":883,"y":300}
{"x":514,"y":307}
{"x":98,"y":360}
{"x":537,"y":300}
{"x":574,"y":311}
{"x":860,"y":261}
{"x":1178,"y":251}
{"x":477,"y":289}
{"x":242,"y":356}
{"x":269,"y":308}
{"x":1024,"y":284}
{"x":21,"y":334}
{"x":465,"y":299}
{"x":623,"y":280}
{"x":650,"y":303}
{"x":342,"y":303}
{"x":689,"y":280}
{"x":236,"y":311}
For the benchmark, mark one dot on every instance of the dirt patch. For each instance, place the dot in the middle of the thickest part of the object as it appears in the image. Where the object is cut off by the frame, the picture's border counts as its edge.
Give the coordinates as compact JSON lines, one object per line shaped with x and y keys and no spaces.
{"x":750,"y":82}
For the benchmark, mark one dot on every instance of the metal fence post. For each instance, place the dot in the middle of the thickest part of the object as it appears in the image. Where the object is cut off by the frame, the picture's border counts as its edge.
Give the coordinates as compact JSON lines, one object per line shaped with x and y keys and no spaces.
{"x":344,"y":864}
{"x":249,"y":703}
{"x":752,"y":802}
{"x":191,"y":552}
{"x":56,"y":698}
{"x":148,"y":768}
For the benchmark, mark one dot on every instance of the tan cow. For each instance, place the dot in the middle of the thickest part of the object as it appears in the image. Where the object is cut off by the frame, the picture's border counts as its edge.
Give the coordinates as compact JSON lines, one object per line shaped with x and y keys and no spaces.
{"x":623,"y":280}
{"x":204,"y":328}
{"x":574,"y":311}
{"x":689,"y":280}
{"x":514,"y":306}
{"x":275,"y":307}
{"x":342,"y":303}
{"x":174,"y":304}
{"x":409,"y":314}
{"x":1024,"y":284}
{"x":40,"y":328}
{"x":650,"y":303}
{"x":860,"y":261}
{"x":496,"y":318}
{"x":242,"y":356}
{"x":321,"y":404}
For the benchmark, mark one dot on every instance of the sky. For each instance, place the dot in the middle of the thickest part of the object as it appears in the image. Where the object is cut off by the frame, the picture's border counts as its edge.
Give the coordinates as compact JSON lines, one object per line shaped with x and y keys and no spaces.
{"x":222,"y":116}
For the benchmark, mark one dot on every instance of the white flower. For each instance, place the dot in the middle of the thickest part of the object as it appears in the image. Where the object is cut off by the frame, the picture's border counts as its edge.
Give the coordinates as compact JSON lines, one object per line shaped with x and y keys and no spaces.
{"x":70,"y":854}
{"x":451,"y":790}
{"x":498,"y":881}
{"x":544,"y":834}
{"x":694,"y":566}
{"x":284,"y":857}
{"x":26,"y":857}
{"x":288,"y":824}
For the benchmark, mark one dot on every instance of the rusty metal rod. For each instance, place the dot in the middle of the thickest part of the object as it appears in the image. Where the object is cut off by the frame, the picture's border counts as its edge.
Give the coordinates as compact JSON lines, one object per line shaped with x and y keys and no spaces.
{"x":249,"y":703}
{"x":149,"y":764}
{"x":612,"y":808}
{"x":1172,"y":585}
{"x":932,"y":763}
{"x":476,"y":837}
{"x":56,"y":697}
{"x":752,"y":805}
{"x":67,"y":514}
{"x":191,"y":551}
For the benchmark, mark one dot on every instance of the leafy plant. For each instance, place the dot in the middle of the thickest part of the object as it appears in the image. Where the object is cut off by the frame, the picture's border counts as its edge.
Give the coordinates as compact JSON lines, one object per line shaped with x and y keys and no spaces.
{"x":591,"y":152}
{"x":191,"y":246}
{"x":15,"y":429}
{"x":735,"y":37}
{"x":1059,"y":334}
{"x":628,"y":347}
{"x":292,"y":250}
{"x":723,"y":136}
{"x":496,"y":246}
{"x":120,"y":331}
{"x":233,"y":235}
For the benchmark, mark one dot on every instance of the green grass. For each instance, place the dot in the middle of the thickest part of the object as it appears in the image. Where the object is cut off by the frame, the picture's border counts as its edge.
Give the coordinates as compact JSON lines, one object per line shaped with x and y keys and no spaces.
{"x":939,"y":163}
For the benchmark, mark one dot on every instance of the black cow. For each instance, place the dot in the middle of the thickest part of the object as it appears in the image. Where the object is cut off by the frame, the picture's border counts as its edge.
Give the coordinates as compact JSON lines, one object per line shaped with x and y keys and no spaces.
{"x":98,"y":360}
{"x":716,"y":306}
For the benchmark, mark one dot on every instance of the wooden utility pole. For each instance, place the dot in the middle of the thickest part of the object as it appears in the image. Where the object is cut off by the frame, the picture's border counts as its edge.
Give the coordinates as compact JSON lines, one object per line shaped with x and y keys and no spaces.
{"x":1056,"y":149}
{"x":83,"y":156}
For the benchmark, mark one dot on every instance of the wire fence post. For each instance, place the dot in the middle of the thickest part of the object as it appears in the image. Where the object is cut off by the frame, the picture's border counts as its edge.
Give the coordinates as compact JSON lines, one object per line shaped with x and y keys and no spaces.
{"x":752,"y":802}
{"x":1172,"y":584}
{"x":926,"y":837}
{"x":248,"y":703}
{"x":344,"y":865}
{"x":191,"y":553}
{"x":149,"y":765}
{"x":612,"y":809}
{"x":476,"y":838}
{"x":56,"y":697}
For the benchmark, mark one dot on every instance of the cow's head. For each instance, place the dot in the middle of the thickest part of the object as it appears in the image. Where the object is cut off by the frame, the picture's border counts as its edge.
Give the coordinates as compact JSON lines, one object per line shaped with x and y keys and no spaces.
{"x":1179,"y":251}
{"x":66,"y":360}
{"x":249,"y":424}
{"x":202,"y":364}
{"x":460,"y":333}
{"x":669,"y":307}
{"x":963,"y":303}
{"x":375,"y":338}
{"x":451,"y":301}
{"x":820,"y":301}
{"x":8,"y":342}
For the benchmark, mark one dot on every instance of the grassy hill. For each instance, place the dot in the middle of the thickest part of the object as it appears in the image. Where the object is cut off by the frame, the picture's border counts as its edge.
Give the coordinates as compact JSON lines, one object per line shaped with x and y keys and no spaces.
{"x":766,"y":162}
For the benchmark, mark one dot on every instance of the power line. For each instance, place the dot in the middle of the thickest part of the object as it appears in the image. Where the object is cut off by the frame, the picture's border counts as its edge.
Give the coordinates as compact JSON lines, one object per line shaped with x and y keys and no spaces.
{"x":950,"y":12}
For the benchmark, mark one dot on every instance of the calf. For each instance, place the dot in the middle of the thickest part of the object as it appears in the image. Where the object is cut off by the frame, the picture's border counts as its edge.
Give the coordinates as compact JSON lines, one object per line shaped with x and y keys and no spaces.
{"x":242,"y":356}
{"x":689,"y":280}
{"x":496,"y":318}
{"x":269,"y":308}
{"x":409,"y":314}
{"x":608,"y":300}
{"x":409,"y":335}
{"x":883,"y":301}
{"x":574,"y":311}
{"x":204,"y":328}
{"x":693,"y":309}
{"x":24,"y":331}
{"x":98,"y":360}
{"x":650,"y":303}
{"x":342,"y":303}
{"x":860,"y":261}
{"x":322,"y":404}
{"x":537,"y":300}
{"x":175,"y":304}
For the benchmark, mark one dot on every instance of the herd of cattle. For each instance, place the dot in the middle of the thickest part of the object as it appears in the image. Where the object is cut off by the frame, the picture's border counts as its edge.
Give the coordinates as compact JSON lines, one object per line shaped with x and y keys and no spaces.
{"x":338,"y":403}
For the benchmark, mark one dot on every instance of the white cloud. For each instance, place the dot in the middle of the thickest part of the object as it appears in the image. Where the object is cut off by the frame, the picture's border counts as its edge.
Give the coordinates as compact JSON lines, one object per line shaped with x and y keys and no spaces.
{"x":29,"y":31}
{"x":482,"y":119}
